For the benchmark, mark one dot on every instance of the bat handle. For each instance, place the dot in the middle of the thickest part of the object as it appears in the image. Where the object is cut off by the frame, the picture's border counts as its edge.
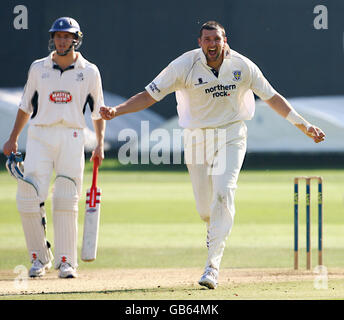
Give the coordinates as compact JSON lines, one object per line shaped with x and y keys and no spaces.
{"x":95,"y":171}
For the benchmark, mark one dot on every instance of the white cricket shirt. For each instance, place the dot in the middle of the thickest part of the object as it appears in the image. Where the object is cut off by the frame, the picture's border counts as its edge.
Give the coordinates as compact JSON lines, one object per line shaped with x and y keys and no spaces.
{"x":55,"y":97}
{"x":207,"y":101}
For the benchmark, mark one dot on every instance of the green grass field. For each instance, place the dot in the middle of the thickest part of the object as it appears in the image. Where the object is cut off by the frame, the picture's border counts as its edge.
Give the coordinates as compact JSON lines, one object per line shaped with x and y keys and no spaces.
{"x":149,"y":220}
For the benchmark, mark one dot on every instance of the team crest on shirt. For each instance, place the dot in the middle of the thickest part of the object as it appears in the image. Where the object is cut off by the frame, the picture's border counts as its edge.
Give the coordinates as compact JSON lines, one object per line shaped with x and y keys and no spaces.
{"x":200,"y":82}
{"x":80,"y":76}
{"x":237,"y":75}
{"x":60,"y":97}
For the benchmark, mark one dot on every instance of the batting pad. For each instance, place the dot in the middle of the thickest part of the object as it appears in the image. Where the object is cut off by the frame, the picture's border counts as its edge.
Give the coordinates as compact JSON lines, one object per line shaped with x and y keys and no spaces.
{"x":65,"y":217}
{"x":29,"y":209}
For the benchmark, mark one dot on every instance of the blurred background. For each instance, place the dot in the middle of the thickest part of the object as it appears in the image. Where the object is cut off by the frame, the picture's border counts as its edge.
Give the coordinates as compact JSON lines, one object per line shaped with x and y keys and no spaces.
{"x":132,"y":41}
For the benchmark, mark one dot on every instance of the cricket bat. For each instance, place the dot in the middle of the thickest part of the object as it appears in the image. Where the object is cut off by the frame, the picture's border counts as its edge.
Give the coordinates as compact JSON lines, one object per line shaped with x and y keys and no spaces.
{"x":91,"y":220}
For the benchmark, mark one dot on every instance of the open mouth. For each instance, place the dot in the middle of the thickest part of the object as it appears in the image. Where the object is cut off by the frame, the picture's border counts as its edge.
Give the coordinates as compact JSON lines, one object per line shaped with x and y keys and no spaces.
{"x":212,"y":52}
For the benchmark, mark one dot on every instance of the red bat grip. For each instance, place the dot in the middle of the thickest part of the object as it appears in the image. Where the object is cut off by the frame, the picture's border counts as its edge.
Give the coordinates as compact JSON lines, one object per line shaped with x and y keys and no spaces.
{"x":93,"y":190}
{"x":95,"y":172}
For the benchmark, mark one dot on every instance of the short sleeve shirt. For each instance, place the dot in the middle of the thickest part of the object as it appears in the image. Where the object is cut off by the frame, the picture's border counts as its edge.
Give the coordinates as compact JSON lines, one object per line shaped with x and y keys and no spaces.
{"x":54,"y":96}
{"x":207,"y":101}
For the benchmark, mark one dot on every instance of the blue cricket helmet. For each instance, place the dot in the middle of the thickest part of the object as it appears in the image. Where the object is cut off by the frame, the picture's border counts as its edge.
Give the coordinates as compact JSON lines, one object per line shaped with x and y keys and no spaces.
{"x":66,"y":24}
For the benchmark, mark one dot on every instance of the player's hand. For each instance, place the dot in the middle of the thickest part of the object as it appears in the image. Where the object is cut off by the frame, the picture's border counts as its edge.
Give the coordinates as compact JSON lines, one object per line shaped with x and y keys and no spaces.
{"x":10,"y":146}
{"x":98,"y":152}
{"x":107,"y":113}
{"x":314,"y":133}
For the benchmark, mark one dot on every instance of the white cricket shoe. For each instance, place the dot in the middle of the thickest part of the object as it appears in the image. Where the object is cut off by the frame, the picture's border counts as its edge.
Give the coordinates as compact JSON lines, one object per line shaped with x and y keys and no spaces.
{"x":67,"y":271}
{"x":38,"y":268}
{"x":209,"y":278}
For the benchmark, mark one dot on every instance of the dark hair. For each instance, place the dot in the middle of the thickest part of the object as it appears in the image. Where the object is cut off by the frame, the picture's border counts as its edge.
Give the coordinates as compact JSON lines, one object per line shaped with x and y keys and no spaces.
{"x":212,"y":25}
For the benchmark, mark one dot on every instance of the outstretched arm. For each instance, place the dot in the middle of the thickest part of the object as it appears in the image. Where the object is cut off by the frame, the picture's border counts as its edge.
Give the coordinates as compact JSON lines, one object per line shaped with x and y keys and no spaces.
{"x":284,"y":109}
{"x":136,"y":103}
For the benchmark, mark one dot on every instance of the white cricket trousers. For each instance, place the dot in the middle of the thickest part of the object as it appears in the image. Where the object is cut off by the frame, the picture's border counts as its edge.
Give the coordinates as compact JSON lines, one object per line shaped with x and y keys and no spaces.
{"x":60,"y":149}
{"x":214,"y":181}
{"x":56,"y":148}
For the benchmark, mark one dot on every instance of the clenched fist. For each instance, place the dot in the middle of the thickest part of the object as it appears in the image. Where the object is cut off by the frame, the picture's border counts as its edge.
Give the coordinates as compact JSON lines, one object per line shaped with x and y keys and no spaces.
{"x":107,"y":113}
{"x":313,"y":132}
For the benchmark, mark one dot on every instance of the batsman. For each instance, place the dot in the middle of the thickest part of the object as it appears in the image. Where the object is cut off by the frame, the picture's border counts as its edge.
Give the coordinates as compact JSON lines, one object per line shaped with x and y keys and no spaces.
{"x":214,"y":88}
{"x":55,"y":97}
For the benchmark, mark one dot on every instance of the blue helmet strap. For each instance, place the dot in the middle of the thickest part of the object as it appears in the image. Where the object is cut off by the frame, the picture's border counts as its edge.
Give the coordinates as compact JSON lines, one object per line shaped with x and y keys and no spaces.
{"x":67,"y":51}
{"x":51,"y":47}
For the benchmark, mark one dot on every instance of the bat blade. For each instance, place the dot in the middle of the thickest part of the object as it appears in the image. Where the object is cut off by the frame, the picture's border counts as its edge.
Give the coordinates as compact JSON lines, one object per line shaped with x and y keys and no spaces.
{"x":91,"y":220}
{"x":91,"y":225}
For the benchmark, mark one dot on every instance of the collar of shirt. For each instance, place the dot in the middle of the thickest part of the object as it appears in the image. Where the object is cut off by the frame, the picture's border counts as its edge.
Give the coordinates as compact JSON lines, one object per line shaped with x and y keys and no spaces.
{"x":79,"y":63}
{"x":227,"y":54}
{"x":56,"y":66}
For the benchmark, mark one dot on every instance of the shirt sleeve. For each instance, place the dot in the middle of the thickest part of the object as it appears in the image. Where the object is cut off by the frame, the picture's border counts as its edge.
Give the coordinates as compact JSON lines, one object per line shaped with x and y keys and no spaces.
{"x":29,"y":91}
{"x":259,"y":85}
{"x":96,"y":93}
{"x":165,"y":83}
